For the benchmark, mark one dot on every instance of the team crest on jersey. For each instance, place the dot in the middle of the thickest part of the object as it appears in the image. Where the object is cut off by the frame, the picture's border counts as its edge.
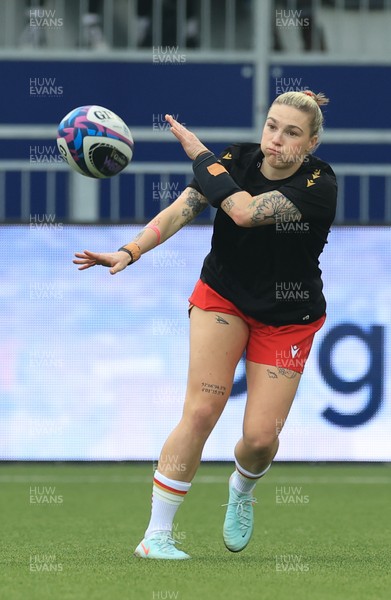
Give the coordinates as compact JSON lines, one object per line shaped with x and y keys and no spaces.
{"x":315,"y":175}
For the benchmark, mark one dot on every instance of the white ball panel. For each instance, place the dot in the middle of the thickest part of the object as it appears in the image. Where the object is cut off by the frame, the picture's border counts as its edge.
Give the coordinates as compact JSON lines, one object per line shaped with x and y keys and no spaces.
{"x":64,"y":150}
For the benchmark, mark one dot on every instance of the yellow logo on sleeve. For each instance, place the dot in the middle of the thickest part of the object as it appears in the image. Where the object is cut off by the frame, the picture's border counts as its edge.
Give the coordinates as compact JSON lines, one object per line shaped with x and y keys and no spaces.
{"x":228,"y":156}
{"x":315,"y":175}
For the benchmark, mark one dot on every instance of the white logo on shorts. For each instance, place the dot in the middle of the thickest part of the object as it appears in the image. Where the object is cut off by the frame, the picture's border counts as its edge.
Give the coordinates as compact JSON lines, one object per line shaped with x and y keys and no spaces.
{"x":294,"y":350}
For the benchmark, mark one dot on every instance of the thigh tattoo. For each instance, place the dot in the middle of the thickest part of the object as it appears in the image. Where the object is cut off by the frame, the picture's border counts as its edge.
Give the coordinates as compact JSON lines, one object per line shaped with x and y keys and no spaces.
{"x":213,"y":389}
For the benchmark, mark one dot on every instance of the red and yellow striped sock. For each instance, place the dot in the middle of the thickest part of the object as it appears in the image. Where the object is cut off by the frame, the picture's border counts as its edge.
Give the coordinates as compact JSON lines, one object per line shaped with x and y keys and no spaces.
{"x":167,"y":496}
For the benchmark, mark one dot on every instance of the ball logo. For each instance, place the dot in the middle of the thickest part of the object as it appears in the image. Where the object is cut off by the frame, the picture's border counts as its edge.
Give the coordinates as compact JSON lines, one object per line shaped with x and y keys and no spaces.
{"x":103,"y":114}
{"x":106,"y":163}
{"x":62,"y":150}
{"x":112,"y":165}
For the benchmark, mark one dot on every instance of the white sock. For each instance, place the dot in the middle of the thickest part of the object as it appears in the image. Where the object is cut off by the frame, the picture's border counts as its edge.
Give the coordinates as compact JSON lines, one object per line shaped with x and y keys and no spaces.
{"x":167,"y":496}
{"x":245,"y":481}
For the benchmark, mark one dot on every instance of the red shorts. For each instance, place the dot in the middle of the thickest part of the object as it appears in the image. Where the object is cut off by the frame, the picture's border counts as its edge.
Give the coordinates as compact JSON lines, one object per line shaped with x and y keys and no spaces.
{"x":286,"y":347}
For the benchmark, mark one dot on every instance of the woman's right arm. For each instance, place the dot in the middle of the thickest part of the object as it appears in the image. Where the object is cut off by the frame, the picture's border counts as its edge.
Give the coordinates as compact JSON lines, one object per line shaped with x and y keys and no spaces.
{"x":170,"y":220}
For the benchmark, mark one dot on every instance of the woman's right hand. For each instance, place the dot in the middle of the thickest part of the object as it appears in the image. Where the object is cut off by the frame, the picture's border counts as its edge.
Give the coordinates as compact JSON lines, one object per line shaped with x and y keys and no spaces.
{"x":117,"y":261}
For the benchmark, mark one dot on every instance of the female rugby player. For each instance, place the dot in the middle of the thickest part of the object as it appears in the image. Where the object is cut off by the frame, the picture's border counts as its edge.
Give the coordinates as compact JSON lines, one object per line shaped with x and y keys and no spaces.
{"x":260,"y":291}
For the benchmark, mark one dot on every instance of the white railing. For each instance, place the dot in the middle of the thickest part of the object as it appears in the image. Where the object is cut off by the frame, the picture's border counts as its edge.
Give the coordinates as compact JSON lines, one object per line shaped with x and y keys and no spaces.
{"x":83,"y":201}
{"x":336,"y":27}
{"x":127,"y":24}
{"x":207,"y":134}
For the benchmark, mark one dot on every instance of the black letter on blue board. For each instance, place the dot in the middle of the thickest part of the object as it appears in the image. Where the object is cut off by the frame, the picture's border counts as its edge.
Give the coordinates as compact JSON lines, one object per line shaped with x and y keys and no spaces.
{"x":373,"y":378}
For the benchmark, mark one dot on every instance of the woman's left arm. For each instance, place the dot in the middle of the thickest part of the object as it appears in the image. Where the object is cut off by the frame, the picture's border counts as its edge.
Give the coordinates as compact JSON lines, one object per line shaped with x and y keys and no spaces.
{"x":245,"y":210}
{"x":265,"y":209}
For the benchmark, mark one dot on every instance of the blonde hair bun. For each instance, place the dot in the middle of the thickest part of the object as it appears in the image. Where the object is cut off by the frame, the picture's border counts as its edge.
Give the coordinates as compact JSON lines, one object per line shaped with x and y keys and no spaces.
{"x":320,"y":98}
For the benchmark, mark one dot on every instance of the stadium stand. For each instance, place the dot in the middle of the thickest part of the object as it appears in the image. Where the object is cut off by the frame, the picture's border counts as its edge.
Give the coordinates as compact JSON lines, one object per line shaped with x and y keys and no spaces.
{"x":329,"y":45}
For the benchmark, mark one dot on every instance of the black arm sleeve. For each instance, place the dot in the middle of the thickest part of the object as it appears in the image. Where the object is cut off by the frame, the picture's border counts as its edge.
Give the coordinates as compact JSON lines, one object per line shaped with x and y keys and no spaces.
{"x":225,"y":158}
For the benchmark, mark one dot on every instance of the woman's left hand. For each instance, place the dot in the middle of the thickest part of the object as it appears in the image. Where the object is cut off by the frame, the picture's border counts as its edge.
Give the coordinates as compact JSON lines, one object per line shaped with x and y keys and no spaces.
{"x":190,"y":142}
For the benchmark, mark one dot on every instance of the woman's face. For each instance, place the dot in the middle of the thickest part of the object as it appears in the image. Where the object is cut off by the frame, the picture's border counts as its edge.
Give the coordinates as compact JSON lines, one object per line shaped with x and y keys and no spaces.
{"x":286,"y":136}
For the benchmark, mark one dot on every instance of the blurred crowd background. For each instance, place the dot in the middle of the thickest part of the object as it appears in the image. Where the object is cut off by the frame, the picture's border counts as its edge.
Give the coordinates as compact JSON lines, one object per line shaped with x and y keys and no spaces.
{"x":216,"y":64}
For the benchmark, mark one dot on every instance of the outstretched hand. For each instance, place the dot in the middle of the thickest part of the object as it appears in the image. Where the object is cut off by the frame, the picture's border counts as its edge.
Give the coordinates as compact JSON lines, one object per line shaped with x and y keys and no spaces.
{"x":190,"y":142}
{"x":116,"y":260}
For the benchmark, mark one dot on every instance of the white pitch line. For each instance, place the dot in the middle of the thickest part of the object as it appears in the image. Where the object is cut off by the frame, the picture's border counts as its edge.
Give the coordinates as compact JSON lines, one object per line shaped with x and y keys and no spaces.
{"x":204,"y":479}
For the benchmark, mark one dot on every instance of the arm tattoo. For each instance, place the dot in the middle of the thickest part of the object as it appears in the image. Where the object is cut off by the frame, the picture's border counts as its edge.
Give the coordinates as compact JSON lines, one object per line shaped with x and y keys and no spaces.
{"x":139,"y":236}
{"x":228,"y":204}
{"x":155,"y":222}
{"x":194,"y":204}
{"x":272,"y":207}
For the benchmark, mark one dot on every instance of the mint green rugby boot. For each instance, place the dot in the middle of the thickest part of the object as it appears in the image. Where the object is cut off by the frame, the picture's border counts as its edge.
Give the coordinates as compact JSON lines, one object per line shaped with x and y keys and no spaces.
{"x":239,"y":519}
{"x":160,"y":545}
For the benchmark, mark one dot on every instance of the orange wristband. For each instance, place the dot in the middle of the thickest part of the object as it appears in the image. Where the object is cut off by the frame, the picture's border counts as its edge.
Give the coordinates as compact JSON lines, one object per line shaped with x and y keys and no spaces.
{"x":133,"y":250}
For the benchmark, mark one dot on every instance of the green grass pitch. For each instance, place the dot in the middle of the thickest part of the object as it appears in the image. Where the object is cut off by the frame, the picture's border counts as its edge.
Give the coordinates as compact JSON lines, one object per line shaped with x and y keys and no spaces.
{"x":68,"y":532}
